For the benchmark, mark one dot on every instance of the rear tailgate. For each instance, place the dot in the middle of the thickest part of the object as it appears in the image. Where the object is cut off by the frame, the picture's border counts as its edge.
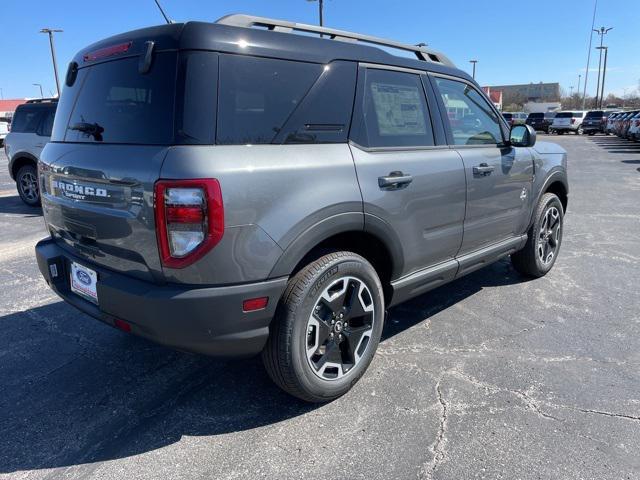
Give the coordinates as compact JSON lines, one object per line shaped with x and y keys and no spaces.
{"x":98,"y":203}
{"x":113,"y":128}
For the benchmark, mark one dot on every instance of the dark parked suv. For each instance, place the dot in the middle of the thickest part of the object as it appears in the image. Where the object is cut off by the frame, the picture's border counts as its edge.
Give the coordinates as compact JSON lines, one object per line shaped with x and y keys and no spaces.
{"x":540,"y":121}
{"x":231,"y":190}
{"x":595,"y":121}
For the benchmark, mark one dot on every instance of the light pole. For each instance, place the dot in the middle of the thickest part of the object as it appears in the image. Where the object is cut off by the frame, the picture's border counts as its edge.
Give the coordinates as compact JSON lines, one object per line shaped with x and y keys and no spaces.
{"x":602,"y":32}
{"x":473,"y":75}
{"x":39,"y":85}
{"x":586,"y":72}
{"x":578,"y":89}
{"x":51,"y":31}
{"x":604,"y":72}
{"x":320,"y":9}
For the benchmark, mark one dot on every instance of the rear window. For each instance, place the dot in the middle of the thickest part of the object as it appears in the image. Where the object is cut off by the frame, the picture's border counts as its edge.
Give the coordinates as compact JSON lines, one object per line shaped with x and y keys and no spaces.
{"x":26,"y":119}
{"x":595,"y":114}
{"x":508,"y":116}
{"x":536,"y":115}
{"x":117,"y":104}
{"x":568,"y":114}
{"x":257,"y":96}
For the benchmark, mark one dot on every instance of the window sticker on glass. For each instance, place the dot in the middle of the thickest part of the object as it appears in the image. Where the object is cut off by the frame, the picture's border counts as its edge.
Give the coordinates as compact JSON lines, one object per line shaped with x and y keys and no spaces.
{"x":398,"y":109}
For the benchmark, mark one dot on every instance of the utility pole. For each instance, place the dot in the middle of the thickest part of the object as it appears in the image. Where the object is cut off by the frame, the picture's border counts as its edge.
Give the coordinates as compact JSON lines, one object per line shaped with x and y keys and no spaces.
{"x":473,"y":75}
{"x":602,"y":32}
{"x":320,"y":10}
{"x":604,"y":72}
{"x":51,"y":31}
{"x":578,"y":89}
{"x":39,"y":85}
{"x":586,"y":72}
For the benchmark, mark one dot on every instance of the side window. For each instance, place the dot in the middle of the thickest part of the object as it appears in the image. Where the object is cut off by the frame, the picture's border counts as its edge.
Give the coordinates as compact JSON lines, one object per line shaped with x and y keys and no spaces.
{"x":26,"y":120}
{"x":395,"y":110}
{"x":471,"y":118}
{"x":257,"y":95}
{"x":47,"y":123}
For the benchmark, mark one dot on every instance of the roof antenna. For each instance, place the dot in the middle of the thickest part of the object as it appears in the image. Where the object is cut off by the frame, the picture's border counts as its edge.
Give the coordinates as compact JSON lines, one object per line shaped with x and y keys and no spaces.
{"x":167,"y":19}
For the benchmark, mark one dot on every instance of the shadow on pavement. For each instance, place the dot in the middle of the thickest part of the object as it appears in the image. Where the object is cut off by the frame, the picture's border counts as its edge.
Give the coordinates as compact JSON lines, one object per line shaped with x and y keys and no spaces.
{"x":616,"y":144}
{"x":76,"y":391}
{"x":14,"y":205}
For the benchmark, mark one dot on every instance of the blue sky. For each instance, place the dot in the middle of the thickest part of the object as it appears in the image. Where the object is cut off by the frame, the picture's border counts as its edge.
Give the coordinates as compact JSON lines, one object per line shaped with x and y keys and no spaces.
{"x":514,"y":41}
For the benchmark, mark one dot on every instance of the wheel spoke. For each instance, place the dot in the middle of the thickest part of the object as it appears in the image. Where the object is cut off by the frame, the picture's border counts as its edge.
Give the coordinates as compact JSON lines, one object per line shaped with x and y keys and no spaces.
{"x":339,"y":327}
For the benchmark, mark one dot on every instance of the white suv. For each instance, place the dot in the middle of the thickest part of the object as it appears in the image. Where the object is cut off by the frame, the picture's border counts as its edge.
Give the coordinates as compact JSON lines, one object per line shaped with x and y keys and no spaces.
{"x":4,"y":130}
{"x":568,"y":121}
{"x":30,"y":131}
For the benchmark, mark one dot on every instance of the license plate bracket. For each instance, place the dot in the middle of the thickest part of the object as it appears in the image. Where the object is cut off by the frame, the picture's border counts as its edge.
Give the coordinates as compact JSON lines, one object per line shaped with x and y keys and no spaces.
{"x":84,"y":282}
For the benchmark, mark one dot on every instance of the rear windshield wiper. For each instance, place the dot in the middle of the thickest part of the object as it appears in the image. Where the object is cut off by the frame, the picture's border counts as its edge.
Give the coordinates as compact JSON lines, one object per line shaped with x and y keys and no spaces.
{"x":92,"y":129}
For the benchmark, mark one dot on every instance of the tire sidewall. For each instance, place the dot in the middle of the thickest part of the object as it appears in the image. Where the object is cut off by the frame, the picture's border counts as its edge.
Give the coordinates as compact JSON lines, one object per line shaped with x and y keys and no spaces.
{"x":359,"y":268}
{"x":548,"y":201}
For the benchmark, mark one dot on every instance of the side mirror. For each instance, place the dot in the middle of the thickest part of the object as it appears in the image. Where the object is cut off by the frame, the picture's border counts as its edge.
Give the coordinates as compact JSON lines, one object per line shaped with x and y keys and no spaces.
{"x":522,"y":136}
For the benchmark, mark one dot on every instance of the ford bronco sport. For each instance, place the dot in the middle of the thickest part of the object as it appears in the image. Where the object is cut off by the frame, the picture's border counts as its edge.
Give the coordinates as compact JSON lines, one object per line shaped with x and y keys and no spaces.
{"x":233,"y":188}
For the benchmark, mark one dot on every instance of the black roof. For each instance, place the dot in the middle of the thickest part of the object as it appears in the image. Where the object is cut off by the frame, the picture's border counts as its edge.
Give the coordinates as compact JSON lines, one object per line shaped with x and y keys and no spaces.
{"x":256,"y":42}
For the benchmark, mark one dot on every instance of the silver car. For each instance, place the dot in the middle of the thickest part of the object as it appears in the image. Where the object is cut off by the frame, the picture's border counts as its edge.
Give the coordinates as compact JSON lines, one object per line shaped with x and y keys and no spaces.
{"x":30,"y":132}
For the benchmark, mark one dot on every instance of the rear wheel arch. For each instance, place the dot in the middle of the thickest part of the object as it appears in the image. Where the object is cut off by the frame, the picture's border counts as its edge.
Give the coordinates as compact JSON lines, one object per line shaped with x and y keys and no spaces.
{"x":19,"y":161}
{"x":364,"y":243}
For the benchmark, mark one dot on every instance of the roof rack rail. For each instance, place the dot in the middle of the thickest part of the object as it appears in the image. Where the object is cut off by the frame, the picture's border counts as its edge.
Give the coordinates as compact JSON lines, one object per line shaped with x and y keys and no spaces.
{"x":248,"y":21}
{"x":43,"y":100}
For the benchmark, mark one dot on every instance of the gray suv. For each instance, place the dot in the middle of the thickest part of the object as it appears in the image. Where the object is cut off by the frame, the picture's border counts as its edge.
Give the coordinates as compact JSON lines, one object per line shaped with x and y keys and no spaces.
{"x":30,"y":132}
{"x":234,"y":188}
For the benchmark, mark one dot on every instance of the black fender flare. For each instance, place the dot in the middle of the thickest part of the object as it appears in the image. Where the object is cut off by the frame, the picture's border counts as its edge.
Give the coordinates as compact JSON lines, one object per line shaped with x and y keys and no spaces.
{"x":557,"y":175}
{"x":334,"y":225}
{"x":18,"y":156}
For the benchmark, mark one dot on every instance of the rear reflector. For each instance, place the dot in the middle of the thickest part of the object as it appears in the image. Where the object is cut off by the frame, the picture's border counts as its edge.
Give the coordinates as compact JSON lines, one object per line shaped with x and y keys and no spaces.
{"x":107,"y":52}
{"x":254,"y":304}
{"x":122,"y":325}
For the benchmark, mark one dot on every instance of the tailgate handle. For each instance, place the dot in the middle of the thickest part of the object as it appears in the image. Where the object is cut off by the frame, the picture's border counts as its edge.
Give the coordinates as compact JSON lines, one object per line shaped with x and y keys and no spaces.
{"x":395,"y":181}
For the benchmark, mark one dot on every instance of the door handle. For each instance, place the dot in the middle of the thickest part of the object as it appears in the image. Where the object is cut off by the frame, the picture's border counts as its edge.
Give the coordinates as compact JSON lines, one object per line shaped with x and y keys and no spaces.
{"x":483,"y":170}
{"x":394,"y":181}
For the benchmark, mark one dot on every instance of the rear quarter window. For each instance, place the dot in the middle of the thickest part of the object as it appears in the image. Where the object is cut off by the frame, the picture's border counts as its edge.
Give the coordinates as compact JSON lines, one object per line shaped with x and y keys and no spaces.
{"x":26,"y":119}
{"x":257,"y":96}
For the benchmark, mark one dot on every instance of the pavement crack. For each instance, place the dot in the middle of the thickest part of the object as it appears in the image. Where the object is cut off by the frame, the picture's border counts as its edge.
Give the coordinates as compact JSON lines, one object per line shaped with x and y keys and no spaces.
{"x":609,"y":414}
{"x":438,"y":446}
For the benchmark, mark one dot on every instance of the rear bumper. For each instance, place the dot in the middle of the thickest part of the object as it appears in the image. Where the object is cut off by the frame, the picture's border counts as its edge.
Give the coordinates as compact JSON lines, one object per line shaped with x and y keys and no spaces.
{"x":208,"y":320}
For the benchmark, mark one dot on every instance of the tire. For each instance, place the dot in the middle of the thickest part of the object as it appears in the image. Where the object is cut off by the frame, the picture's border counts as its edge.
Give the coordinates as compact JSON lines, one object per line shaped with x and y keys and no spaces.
{"x":27,"y":185}
{"x":560,"y":132}
{"x":579,"y":131}
{"x":531,"y":261}
{"x":296,"y":357}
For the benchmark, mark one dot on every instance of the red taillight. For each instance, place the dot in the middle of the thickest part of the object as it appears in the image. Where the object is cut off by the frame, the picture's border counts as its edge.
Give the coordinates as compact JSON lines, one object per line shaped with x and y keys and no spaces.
{"x":189,"y":219}
{"x":254,"y":304}
{"x":573,"y":120}
{"x":637,"y":123}
{"x":107,"y":51}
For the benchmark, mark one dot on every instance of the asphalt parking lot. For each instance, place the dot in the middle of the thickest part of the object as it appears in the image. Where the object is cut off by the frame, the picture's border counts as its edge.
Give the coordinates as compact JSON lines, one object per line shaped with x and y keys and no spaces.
{"x":493,"y":376}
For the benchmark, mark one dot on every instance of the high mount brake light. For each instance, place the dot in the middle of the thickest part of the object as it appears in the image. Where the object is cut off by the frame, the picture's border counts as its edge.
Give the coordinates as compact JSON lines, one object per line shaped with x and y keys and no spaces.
{"x":189,"y":219}
{"x":107,"y":51}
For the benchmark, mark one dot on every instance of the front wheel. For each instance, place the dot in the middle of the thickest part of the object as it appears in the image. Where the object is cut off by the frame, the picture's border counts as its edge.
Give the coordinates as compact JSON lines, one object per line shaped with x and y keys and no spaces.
{"x":545,"y":236}
{"x":327,"y":328}
{"x":579,"y":131}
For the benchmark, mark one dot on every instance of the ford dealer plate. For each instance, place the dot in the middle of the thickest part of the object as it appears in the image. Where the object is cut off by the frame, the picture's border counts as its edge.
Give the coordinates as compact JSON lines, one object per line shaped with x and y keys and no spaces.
{"x":83,"y":282}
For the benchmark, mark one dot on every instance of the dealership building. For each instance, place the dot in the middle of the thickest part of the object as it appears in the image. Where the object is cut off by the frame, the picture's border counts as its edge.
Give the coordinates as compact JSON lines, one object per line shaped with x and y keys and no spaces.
{"x":529,"y":92}
{"x":7,"y":107}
